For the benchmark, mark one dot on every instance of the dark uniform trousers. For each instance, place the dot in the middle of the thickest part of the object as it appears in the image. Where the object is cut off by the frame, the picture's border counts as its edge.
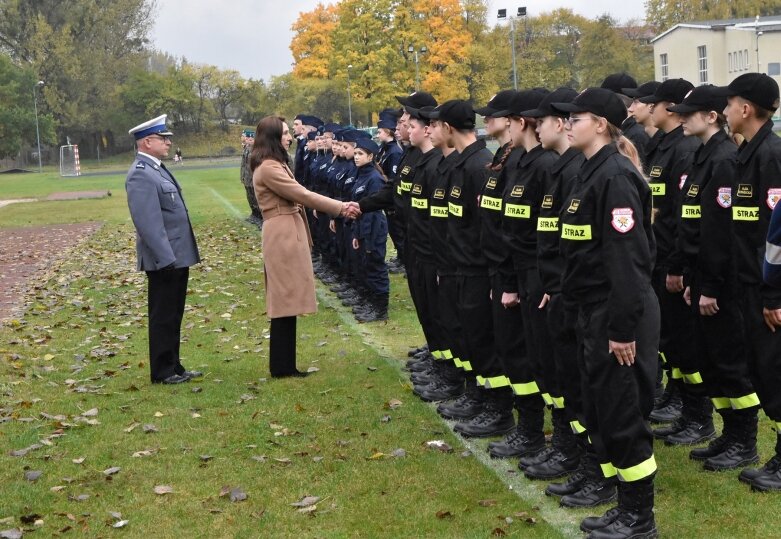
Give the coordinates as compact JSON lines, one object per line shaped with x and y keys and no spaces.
{"x":675,"y":341}
{"x":474,"y":313}
{"x":447,"y":306}
{"x":396,"y":232}
{"x":423,"y":279}
{"x":764,"y":352}
{"x":376,"y":272}
{"x":562,"y":319}
{"x":166,"y":299}
{"x":510,"y":343}
{"x":617,"y":398}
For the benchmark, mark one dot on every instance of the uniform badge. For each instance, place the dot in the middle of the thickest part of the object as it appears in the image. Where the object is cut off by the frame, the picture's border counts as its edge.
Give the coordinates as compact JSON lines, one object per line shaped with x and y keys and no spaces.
{"x":573,"y":205}
{"x":360,"y":190}
{"x":656,"y":172}
{"x":455,"y":192}
{"x":745,"y":190}
{"x":694,"y":190}
{"x":682,"y":180}
{"x":772,"y":197}
{"x":140,"y":164}
{"x":406,"y":170}
{"x":394,"y":168}
{"x":724,"y":198}
{"x":547,"y":202}
{"x":623,"y":219}
{"x":491,"y":183}
{"x":439,"y":193}
{"x":417,"y":189}
{"x":517,"y":191}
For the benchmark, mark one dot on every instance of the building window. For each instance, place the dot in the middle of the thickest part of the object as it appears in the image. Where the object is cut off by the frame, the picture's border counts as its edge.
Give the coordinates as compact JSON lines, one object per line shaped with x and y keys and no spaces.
{"x":746,"y":65}
{"x":664,"y":65}
{"x":774,"y":69}
{"x":702,"y":62}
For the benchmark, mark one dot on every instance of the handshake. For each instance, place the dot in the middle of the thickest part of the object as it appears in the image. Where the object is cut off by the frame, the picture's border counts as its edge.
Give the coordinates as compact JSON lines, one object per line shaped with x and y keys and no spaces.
{"x":350,"y":210}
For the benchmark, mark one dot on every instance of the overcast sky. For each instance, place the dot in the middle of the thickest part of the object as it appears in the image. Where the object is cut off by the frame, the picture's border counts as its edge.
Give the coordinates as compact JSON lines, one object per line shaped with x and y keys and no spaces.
{"x":253,"y":36}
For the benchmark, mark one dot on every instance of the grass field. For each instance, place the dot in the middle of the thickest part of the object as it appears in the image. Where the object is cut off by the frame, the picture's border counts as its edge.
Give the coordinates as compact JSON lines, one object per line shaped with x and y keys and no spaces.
{"x":74,"y":380}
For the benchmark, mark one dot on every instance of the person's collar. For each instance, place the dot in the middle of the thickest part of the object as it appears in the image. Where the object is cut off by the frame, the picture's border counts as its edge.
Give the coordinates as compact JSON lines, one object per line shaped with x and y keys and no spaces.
{"x":152,"y":158}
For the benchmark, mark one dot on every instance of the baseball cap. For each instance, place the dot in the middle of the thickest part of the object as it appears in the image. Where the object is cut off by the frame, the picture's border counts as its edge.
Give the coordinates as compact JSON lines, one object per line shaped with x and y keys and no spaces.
{"x":559,"y":95}
{"x":645,"y":89}
{"x":456,"y":112}
{"x":417,"y":100}
{"x":755,"y":87}
{"x":672,"y":90}
{"x":599,"y":101}
{"x":702,"y":98}
{"x":520,"y":102}
{"x":618,"y":81}
{"x":500,"y":101}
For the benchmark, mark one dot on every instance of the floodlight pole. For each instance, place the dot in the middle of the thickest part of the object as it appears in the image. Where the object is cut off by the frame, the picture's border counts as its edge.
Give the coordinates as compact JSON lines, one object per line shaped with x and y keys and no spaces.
{"x":415,"y":51}
{"x":37,"y":131}
{"x":349,"y":96}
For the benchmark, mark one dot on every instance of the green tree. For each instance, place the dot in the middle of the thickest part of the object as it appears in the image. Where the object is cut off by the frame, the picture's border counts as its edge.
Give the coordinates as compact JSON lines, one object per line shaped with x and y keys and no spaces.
{"x":664,"y":14}
{"x":603,"y":50}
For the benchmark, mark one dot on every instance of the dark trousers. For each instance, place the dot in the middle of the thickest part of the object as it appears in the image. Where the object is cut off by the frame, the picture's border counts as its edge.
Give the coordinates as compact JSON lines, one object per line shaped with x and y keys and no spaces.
{"x":675,"y":337}
{"x":617,"y":398}
{"x":535,"y":328}
{"x":282,"y":346}
{"x":509,"y":342}
{"x":377,"y":281}
{"x":252,"y":200}
{"x":474,"y":313}
{"x":764,"y":351}
{"x":452,"y":334}
{"x":396,"y":232}
{"x":562,"y":318}
{"x":166,"y":299}
{"x":423,"y":279}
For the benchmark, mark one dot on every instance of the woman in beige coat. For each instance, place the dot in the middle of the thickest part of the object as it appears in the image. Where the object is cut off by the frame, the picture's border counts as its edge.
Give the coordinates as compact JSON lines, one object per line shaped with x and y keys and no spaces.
{"x":290,"y":286}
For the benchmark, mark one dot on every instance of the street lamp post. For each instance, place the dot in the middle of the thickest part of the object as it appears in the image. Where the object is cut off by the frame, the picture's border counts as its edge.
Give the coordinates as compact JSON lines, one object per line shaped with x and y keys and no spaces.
{"x":502,"y":15}
{"x":413,"y":50}
{"x":37,"y":131}
{"x":349,"y":97}
{"x":758,"y":33}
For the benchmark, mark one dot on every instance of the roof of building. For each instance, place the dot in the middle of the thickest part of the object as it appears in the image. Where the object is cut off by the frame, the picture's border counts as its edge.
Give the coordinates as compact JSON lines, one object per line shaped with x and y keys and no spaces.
{"x":771,"y":23}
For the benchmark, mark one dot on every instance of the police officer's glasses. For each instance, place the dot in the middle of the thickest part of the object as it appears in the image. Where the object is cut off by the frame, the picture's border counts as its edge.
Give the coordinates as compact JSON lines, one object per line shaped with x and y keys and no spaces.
{"x":164,"y":138}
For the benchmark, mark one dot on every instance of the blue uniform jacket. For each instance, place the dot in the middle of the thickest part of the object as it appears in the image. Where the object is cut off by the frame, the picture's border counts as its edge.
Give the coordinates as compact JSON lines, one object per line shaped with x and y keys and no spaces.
{"x":371,"y":227}
{"x":389,"y":158}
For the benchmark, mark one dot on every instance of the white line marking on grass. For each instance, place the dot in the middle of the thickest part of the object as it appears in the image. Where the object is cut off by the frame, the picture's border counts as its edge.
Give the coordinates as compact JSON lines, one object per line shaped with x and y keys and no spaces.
{"x":566,"y":522}
{"x":225,"y":202}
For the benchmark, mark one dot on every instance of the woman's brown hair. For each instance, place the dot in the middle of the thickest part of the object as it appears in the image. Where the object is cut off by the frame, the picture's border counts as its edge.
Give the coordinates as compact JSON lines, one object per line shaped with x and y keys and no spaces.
{"x":268,"y":142}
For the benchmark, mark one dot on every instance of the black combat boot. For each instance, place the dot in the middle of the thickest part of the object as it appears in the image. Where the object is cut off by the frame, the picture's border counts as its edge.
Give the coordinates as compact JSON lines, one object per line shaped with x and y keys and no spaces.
{"x":742,"y":447}
{"x":635,"y":516}
{"x":698,"y":412}
{"x":378,"y":310}
{"x":528,"y":437}
{"x":719,"y":444}
{"x":576,"y":480}
{"x":496,"y":419}
{"x":596,"y":488}
{"x":767,"y":473}
{"x":467,"y":405}
{"x":450,"y":385}
{"x":565,"y":458}
{"x":668,"y":408}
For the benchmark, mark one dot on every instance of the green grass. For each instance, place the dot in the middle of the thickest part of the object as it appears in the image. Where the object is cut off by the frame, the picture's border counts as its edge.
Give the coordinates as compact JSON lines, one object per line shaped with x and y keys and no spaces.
{"x":82,"y":345}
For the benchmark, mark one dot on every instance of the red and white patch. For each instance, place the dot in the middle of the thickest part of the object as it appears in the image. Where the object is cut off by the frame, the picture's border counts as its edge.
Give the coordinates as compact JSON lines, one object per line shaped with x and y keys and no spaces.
{"x":623,"y":219}
{"x":724,"y":198}
{"x":772,"y":197}
{"x":682,"y":180}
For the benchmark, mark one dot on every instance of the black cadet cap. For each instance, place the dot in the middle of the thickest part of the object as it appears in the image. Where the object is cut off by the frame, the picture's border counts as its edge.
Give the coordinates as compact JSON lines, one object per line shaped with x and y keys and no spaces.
{"x":599,"y":101}
{"x":560,"y":95}
{"x":419,"y":114}
{"x":618,"y":81}
{"x":672,"y":90}
{"x":755,"y":87}
{"x":520,"y":102}
{"x":498,"y":102}
{"x":644,"y":90}
{"x":456,"y":112}
{"x":702,"y":98}
{"x":417,"y":100}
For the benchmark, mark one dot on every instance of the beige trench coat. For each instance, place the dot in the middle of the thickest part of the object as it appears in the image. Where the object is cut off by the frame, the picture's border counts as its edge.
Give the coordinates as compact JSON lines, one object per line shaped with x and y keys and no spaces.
{"x":290,"y":283}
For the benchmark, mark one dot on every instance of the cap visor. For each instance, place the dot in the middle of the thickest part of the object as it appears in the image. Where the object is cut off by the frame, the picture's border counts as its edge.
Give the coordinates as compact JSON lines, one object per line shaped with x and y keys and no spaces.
{"x":683,"y":108}
{"x":403,"y":99}
{"x":568,"y":107}
{"x":503,"y":113}
{"x":723,"y":91}
{"x":429,"y":114}
{"x":485,"y":111}
{"x":649,"y":99}
{"x":537,"y":113}
{"x":631,"y":92}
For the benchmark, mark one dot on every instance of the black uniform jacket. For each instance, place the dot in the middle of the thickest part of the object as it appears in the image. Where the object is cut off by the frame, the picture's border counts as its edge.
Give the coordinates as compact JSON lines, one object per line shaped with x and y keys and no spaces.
{"x":438,"y":211}
{"x":393,"y":196}
{"x":636,"y":133}
{"x":705,"y":218}
{"x":607,"y":241}
{"x":467,"y":178}
{"x":758,"y":190}
{"x":418,"y":230}
{"x":492,"y":240}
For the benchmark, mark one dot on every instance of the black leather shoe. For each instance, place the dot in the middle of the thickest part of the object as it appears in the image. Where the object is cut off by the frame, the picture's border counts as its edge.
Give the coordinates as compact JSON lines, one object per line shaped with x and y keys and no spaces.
{"x":573,"y":484}
{"x":715,"y":447}
{"x":421,"y":365}
{"x":173,"y":379}
{"x":591,"y":494}
{"x":294,"y":374}
{"x":735,"y":455}
{"x":628,"y":526}
{"x":516,"y":444}
{"x":440,"y":391}
{"x":589,"y":524}
{"x":192,"y":374}
{"x":557,"y":465}
{"x":668,"y":430}
{"x":464,"y":407}
{"x":772,"y":466}
{"x":536,"y":458}
{"x":693,"y":433}
{"x":767,"y":482}
{"x":486,"y":424}
{"x":667,"y":411}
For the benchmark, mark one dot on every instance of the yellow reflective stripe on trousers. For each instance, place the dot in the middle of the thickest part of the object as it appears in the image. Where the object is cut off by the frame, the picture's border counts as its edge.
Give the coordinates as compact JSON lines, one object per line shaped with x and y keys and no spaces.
{"x":577,"y":427}
{"x":436,"y":354}
{"x":676,"y":373}
{"x":692,"y":378}
{"x":519,"y":211}
{"x":745,"y":214}
{"x":638,"y":471}
{"x":558,"y":402}
{"x":495,"y":382}
{"x":664,"y":357}
{"x":447,"y":354}
{"x":457,"y":363}
{"x":690,"y":212}
{"x":529,"y":388}
{"x":547,"y":398}
{"x":466,"y":365}
{"x":658,"y":189}
{"x":491,"y":203}
{"x":438,"y":211}
{"x":721,"y":403}
{"x":455,"y":209}
{"x":548,"y":224}
{"x":576,"y":232}
{"x":480,"y":380}
{"x":778,"y":426}
{"x":608,"y":470}
{"x":747,"y":401}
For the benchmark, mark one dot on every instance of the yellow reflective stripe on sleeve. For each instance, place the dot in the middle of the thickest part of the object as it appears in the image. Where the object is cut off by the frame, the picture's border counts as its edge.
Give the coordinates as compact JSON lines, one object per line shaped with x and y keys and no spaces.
{"x":690,"y":212}
{"x":529,"y":388}
{"x":398,"y":190}
{"x":658,"y":189}
{"x":577,"y":427}
{"x":491,"y":203}
{"x":406,"y":186}
{"x":692,"y":378}
{"x":480,"y":380}
{"x":496,"y":382}
{"x":676,"y":373}
{"x":518,"y":211}
{"x":745,"y":214}
{"x":741,"y":403}
{"x":720,"y":403}
{"x":548,"y":224}
{"x":608,"y":470}
{"x":438,"y":211}
{"x":455,"y":209}
{"x":664,"y":357}
{"x":558,"y":402}
{"x":420,"y":203}
{"x":638,"y":471}
{"x":576,"y":232}
{"x":547,"y":398}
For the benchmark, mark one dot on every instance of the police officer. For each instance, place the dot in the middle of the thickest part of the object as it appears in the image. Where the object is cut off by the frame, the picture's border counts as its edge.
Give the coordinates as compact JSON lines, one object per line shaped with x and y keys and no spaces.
{"x":620,"y":83}
{"x":752,"y":100}
{"x":608,"y":246}
{"x":247,"y":140}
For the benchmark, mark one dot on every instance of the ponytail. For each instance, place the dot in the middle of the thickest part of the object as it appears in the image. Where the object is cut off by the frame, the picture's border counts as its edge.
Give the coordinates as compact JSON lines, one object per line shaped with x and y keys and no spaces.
{"x":500,"y":165}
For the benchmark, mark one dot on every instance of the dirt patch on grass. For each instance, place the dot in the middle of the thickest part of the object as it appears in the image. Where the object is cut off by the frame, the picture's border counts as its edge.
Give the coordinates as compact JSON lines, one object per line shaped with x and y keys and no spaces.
{"x":75,"y":195}
{"x":25,"y":252}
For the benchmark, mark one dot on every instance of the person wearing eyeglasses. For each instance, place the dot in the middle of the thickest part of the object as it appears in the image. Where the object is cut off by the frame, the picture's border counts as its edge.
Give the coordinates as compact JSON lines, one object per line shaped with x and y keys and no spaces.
{"x":165,"y":247}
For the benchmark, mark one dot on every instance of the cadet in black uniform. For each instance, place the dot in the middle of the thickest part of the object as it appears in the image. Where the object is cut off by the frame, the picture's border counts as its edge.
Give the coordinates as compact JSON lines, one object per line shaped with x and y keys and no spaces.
{"x":753,"y":98}
{"x":667,"y":171}
{"x":620,"y":83}
{"x":608,"y":247}
{"x":706,"y":245}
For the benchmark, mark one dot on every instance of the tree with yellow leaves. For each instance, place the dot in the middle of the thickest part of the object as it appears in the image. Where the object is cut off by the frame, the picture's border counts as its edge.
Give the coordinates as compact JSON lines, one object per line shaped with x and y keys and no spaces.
{"x":312,"y":43}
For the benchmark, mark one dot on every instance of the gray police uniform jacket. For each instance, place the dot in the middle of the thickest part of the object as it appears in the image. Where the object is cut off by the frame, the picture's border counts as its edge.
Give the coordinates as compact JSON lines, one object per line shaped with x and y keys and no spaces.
{"x":164,"y":235}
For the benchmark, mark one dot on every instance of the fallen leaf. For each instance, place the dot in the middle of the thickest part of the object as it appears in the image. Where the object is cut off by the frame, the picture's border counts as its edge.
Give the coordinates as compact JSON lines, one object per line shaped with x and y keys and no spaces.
{"x":149,"y":428}
{"x":498,"y":532}
{"x":440,"y":445}
{"x":111,"y":471}
{"x":372,"y":369}
{"x":159,"y":414}
{"x":385,"y":419}
{"x":29,"y":519}
{"x":92,"y":412}
{"x":486,"y":503}
{"x":161,"y":490}
{"x":377,"y":456}
{"x":14,"y":533}
{"x":237,"y":495}
{"x":306,"y":501}
{"x":531,"y":520}
{"x":309,"y":509}
{"x":131,"y":427}
{"x":393,"y":404}
{"x":444,"y":514}
{"x":78,"y":460}
{"x":205,"y":458}
{"x":32,"y":475}
{"x":120,"y":524}
{"x":399,"y":453}
{"x":144,"y":453}
{"x":58,"y":488}
{"x":115,"y":515}
{"x":196,"y":389}
{"x":312,"y":369}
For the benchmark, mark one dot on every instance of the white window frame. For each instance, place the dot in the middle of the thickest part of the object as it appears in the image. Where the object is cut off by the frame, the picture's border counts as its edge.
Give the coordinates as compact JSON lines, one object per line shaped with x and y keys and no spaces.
{"x":702,"y":63}
{"x":665,"y":66}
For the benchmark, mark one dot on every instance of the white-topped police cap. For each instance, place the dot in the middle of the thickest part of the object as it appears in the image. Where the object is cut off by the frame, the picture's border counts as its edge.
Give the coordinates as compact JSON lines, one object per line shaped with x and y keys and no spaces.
{"x":152,"y":127}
